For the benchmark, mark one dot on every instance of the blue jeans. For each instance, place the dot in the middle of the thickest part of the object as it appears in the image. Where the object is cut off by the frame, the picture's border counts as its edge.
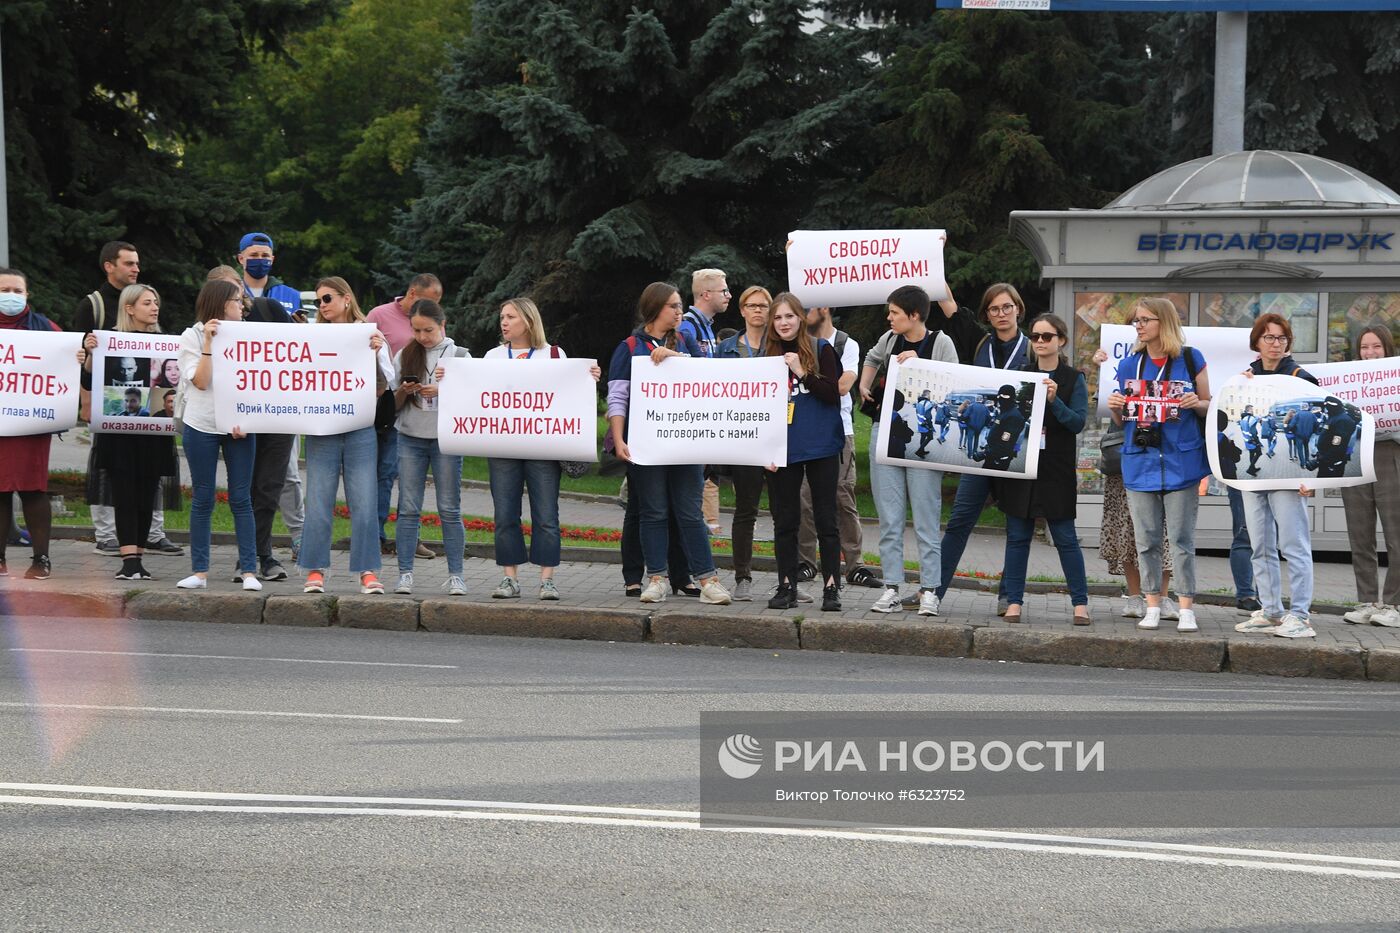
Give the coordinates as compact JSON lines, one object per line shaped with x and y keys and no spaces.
{"x":1240,"y":551}
{"x":1176,"y":509}
{"x":388,"y":471}
{"x":352,"y":454}
{"x":1019,"y":532}
{"x":967,"y":508}
{"x":895,"y":488}
{"x":1289,"y":511}
{"x":663,"y":491}
{"x":202,"y":452}
{"x":416,"y":455}
{"x":509,"y":480}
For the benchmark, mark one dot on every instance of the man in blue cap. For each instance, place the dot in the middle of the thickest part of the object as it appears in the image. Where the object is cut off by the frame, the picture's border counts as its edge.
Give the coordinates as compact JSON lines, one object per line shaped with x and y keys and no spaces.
{"x":255,"y":257}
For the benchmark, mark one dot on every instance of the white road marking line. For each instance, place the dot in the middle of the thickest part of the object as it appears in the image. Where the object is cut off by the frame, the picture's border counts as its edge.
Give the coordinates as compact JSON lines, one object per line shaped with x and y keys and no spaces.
{"x":235,"y":657}
{"x":226,"y":712}
{"x":691,"y":815}
{"x":926,"y":840}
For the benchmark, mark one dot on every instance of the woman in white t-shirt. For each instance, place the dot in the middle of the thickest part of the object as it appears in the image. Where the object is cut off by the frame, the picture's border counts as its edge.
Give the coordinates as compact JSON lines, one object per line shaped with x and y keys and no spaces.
{"x":218,"y":301}
{"x":523,"y":339}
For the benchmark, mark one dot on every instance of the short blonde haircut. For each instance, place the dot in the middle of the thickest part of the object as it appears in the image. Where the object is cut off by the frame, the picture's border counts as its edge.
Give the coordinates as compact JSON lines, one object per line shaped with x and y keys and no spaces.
{"x":530,"y":313}
{"x":1171,"y":335}
{"x":130,"y":295}
{"x":755,"y":290}
{"x":342,"y":288}
{"x":702,"y":280}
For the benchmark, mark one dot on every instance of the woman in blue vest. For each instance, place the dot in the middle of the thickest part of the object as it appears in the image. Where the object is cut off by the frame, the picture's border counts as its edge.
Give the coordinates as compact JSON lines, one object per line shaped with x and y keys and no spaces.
{"x":815,"y":441}
{"x":1164,"y":461}
{"x":1004,"y":348}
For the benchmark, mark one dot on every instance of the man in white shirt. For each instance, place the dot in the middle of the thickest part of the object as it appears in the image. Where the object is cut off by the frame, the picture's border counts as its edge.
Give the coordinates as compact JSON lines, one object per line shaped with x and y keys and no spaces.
{"x":820,"y":324}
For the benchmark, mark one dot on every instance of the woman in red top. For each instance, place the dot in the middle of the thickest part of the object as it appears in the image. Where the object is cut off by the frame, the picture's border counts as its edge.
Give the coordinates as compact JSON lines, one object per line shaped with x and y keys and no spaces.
{"x":24,"y":461}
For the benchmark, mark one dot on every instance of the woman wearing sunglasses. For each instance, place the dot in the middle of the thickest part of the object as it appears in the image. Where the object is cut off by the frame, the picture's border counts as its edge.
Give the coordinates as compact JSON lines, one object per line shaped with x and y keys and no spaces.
{"x":354,"y":455}
{"x":1052,"y":494}
{"x":1164,"y":460}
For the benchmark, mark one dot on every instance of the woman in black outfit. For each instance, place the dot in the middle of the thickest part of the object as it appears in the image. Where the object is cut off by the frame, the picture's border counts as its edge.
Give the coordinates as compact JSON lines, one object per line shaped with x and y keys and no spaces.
{"x":130,"y":467}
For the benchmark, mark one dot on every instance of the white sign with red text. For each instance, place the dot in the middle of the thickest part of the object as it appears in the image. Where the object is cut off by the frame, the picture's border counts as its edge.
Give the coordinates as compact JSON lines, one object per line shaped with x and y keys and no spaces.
{"x":546,"y":409}
{"x":1226,"y":351}
{"x":317,"y":379}
{"x":38,"y":381}
{"x":842,"y":268}
{"x":134,"y":378}
{"x":1371,"y":385}
{"x":688,"y":410}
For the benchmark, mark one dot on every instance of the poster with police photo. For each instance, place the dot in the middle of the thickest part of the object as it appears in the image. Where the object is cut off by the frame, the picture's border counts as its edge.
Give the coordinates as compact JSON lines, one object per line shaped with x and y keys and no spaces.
{"x":962,"y":419}
{"x":1280,"y":432}
{"x":134,"y":378}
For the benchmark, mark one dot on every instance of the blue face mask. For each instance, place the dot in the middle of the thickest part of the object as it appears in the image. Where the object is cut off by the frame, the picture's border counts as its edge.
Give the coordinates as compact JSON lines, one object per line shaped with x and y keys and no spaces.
{"x":12,"y":305}
{"x":258,"y":268}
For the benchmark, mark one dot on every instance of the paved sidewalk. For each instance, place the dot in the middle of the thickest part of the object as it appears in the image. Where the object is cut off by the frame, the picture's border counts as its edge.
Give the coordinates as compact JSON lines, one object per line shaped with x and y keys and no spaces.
{"x":1333,"y":583}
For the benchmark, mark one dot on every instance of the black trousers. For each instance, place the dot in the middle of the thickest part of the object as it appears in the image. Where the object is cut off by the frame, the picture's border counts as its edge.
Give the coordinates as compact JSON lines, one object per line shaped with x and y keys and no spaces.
{"x":748,"y":486}
{"x":785,"y":503}
{"x":269,"y":473}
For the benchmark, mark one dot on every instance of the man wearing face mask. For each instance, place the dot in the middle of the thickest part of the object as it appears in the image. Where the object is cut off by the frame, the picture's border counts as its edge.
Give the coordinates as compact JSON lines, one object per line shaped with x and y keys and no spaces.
{"x":121,"y":266}
{"x":255,"y":257}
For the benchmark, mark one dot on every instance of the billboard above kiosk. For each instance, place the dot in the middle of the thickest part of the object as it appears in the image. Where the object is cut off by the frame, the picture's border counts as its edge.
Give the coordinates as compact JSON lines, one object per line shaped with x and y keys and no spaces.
{"x":1174,"y":6}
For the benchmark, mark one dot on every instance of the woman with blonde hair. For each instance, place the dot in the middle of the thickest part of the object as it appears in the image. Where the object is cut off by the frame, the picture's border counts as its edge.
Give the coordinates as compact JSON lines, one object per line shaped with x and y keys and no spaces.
{"x":132,"y":467}
{"x":1163,"y":460}
{"x":523,"y":338}
{"x":353,"y":455}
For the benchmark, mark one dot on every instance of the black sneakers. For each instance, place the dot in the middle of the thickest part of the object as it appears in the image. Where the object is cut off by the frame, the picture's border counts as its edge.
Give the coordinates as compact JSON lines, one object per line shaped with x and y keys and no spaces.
{"x":785,"y":598}
{"x":831,"y":599}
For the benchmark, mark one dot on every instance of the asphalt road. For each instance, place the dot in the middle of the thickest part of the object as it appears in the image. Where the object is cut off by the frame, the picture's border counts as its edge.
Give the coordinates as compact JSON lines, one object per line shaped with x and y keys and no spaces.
{"x":502,"y":759}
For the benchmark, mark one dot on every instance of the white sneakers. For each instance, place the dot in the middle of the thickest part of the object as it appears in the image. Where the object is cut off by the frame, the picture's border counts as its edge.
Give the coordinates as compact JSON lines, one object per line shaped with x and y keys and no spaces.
{"x":655,"y":591}
{"x":888,"y":601}
{"x":251,"y":584}
{"x":1186,"y":621}
{"x":1294,"y":627}
{"x":1136,"y":607}
{"x":1169,"y":610}
{"x":1364,"y":613}
{"x":1389,"y":617}
{"x":928,"y":603}
{"x":1258,"y":623}
{"x":713,"y":593}
{"x":193,"y":582}
{"x":405,"y":586}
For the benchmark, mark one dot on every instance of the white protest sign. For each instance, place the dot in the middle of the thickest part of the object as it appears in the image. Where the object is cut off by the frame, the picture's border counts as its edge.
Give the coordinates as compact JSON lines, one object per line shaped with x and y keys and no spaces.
{"x":38,"y":381}
{"x":545,"y":409}
{"x":708,"y":411}
{"x":1226,"y":350}
{"x":134,"y":378}
{"x":964,"y":419}
{"x":1281,"y":432}
{"x":841,"y":268}
{"x":1371,"y":385}
{"x":315,"y":379}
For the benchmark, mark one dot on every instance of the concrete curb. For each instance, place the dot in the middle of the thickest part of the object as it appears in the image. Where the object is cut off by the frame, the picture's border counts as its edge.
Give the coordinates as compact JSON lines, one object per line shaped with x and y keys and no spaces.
{"x":590,"y":555}
{"x":910,"y":637}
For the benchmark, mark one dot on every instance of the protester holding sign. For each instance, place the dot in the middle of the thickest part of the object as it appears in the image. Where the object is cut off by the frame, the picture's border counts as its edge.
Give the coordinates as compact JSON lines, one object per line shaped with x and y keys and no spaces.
{"x":352,"y":454}
{"x":131,"y":467}
{"x":523,"y":338}
{"x":417,"y":371}
{"x":1164,"y":460}
{"x":217,"y":301}
{"x":815,"y":441}
{"x":1364,"y":502}
{"x":24,"y":460}
{"x":754,"y":305}
{"x":1004,"y":348}
{"x":1054,"y":491}
{"x":895,"y":487}
{"x":661,"y":490}
{"x":1283,"y":509}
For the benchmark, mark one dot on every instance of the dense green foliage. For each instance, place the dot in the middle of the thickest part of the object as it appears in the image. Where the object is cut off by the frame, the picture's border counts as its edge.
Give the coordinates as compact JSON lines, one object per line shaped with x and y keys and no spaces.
{"x":100,"y":99}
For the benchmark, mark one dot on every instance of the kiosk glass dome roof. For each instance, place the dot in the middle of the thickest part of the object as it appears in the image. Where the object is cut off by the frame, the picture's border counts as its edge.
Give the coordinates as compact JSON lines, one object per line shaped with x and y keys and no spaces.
{"x":1257,"y":180}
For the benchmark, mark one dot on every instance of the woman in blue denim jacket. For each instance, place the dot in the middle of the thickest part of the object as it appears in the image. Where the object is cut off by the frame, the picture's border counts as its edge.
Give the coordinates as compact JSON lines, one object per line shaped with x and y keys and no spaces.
{"x":1164,"y":460}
